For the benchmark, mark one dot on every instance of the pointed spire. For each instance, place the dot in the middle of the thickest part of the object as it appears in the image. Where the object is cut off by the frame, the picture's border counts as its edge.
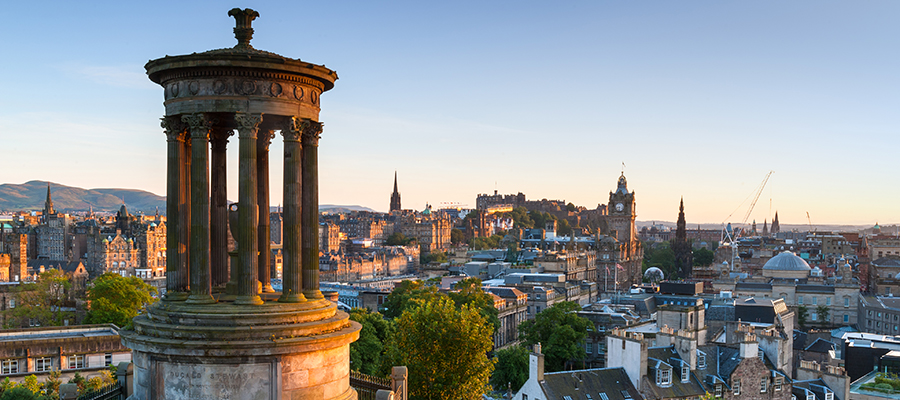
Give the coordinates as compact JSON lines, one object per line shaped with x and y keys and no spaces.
{"x":395,"y":181}
{"x":395,"y":196}
{"x":48,"y":204}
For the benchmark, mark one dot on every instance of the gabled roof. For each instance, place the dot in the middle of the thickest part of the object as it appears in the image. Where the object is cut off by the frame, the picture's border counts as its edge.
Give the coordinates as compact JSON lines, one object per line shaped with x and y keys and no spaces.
{"x":820,"y":346}
{"x":578,"y":384}
{"x":665,"y":357}
{"x":728,"y":359}
{"x":799,"y":339}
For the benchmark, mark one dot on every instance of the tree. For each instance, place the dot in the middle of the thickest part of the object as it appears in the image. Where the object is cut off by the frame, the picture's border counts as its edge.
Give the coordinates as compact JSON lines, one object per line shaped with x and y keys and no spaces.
{"x":469,"y":293}
{"x":51,"y":385}
{"x":521,"y":219}
{"x":571,"y":207}
{"x":434,"y":256}
{"x":367,"y":352}
{"x":802,"y":315}
{"x":563,"y":228}
{"x":660,"y":256}
{"x":445,"y":349}
{"x":19,"y":393}
{"x":79,"y":381}
{"x":561,"y":333}
{"x":822,"y":312}
{"x":404,"y":295}
{"x":104,"y":379}
{"x":703,"y":257}
{"x":457,"y":236}
{"x":511,"y":368}
{"x":398,"y":239}
{"x":44,"y":302}
{"x":114,"y":299}
{"x":481,"y":243}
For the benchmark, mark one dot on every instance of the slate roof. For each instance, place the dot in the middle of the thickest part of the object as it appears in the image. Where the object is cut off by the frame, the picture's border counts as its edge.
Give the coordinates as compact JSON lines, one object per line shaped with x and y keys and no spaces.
{"x":752,"y":286}
{"x":579,"y":384}
{"x":799,"y":339}
{"x":677,"y":389}
{"x":506,"y":292}
{"x":816,"y":386}
{"x":815,"y":289}
{"x":820,"y":346}
{"x":65,"y":266}
{"x":720,"y":313}
{"x":728,"y":360}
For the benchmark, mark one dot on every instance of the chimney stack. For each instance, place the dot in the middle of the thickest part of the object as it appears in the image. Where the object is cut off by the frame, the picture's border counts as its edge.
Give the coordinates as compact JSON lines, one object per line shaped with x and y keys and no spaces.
{"x":536,"y":364}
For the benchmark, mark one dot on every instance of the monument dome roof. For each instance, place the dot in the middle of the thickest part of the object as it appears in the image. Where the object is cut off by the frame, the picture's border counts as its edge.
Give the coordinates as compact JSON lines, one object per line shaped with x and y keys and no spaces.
{"x":786,"y":261}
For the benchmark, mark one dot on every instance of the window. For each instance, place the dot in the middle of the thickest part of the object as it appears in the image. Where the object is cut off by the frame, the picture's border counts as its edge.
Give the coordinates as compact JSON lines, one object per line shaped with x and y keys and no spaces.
{"x":625,"y":394}
{"x":685,"y":373}
{"x":108,"y":360}
{"x":701,"y":360}
{"x":763,"y":383}
{"x":810,"y":395}
{"x":603,"y":396}
{"x":828,"y":301}
{"x":846,"y":318}
{"x":778,"y":382}
{"x":829,"y":395}
{"x":10,"y":367}
{"x":719,"y":390}
{"x":76,"y":362}
{"x":525,"y":397}
{"x":42,"y":364}
{"x":12,"y":303}
{"x":846,"y":302}
{"x":800,"y":300}
{"x":663,"y":377}
{"x":762,"y":355}
{"x":815,"y":301}
{"x":737,"y":387}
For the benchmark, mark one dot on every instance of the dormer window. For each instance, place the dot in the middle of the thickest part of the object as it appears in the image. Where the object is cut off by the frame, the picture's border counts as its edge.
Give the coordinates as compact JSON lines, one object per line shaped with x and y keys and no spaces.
{"x":762,"y":355}
{"x":780,"y":381}
{"x":663,"y":377}
{"x":763,"y":385}
{"x":737,"y":387}
{"x":829,"y":395}
{"x":810,"y":396}
{"x":685,"y":373}
{"x":719,"y":390}
{"x":701,"y":360}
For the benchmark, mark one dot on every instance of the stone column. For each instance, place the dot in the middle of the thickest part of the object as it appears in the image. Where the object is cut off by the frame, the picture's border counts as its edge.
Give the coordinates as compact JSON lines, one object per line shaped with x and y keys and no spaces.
{"x":291,"y":291}
{"x":184,"y":212}
{"x":264,"y":235}
{"x":309,"y":220}
{"x":201,"y":285}
{"x":248,"y":214}
{"x":218,"y":224}
{"x":176,"y":290}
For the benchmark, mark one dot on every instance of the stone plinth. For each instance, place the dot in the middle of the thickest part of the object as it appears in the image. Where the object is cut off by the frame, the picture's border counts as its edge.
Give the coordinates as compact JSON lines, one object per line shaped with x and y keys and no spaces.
{"x":225,"y":351}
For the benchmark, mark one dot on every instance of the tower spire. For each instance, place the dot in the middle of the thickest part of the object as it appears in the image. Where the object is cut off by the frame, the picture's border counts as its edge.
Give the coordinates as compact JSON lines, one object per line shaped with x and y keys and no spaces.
{"x":48,"y":204}
{"x":395,"y":196}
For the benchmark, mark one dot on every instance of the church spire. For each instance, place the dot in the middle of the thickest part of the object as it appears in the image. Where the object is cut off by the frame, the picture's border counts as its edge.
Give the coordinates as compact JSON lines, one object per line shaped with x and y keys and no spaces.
{"x":775,"y":226}
{"x":48,"y":204}
{"x":684,"y":257}
{"x":395,"y":196}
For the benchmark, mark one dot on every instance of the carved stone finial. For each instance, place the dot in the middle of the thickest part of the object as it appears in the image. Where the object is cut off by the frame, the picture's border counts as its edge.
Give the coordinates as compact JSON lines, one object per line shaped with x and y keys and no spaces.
{"x":243,"y":31}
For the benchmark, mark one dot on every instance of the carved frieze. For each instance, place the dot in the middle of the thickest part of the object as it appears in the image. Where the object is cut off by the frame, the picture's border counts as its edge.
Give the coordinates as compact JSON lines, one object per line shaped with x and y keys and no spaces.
{"x":243,"y":86}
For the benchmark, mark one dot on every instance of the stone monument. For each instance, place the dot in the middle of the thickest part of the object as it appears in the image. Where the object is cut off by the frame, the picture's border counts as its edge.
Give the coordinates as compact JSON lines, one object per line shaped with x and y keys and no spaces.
{"x":221,"y":332}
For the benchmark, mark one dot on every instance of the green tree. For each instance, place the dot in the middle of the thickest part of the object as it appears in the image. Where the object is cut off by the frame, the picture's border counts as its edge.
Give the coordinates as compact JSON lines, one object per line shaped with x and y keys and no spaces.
{"x":31,"y":383}
{"x":822,"y":314}
{"x":511,"y":368}
{"x":398,"y":239}
{"x":802,"y":315}
{"x":51,"y":385}
{"x":481,"y":243}
{"x":19,"y":393}
{"x":469,"y":293}
{"x":114,"y":299}
{"x":457,"y":236}
{"x":703,"y":257}
{"x":366,"y":354}
{"x":563,"y":228}
{"x":445,"y":349}
{"x":434,"y":256}
{"x":540,"y":219}
{"x":521,"y":219}
{"x":44,"y":301}
{"x":571,"y":207}
{"x":561,"y":333}
{"x":661,"y":256}
{"x":404,"y":295}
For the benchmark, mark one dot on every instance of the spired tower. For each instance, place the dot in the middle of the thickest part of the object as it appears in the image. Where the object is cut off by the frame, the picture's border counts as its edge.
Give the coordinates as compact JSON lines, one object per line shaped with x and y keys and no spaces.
{"x":620,"y":220}
{"x":395,"y":197}
{"x":220,"y":332}
{"x":684,"y":255}
{"x":48,"y":204}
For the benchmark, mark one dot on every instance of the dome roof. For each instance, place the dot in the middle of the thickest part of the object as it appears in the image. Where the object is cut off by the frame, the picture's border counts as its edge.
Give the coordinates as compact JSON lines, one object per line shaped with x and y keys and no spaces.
{"x":786,"y":261}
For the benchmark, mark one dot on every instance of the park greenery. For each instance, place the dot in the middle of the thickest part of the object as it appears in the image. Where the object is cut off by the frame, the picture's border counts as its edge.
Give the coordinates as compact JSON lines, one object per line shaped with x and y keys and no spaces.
{"x":31,"y":389}
{"x":399,"y":239}
{"x":661,"y":255}
{"x":559,"y":330}
{"x":114,"y":299}
{"x":47,"y":301}
{"x":443,"y":338}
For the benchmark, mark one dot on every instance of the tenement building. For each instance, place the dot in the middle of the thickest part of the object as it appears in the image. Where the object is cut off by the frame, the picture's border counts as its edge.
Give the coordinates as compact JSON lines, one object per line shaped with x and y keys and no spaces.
{"x":221,"y":331}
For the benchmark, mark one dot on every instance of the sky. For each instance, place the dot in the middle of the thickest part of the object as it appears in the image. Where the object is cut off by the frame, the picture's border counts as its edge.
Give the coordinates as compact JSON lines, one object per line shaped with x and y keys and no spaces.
{"x":693,"y":99}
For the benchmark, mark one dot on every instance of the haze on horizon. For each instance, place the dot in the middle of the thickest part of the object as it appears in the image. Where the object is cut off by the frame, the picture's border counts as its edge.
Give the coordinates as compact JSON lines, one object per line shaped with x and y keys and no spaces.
{"x":697,"y":99}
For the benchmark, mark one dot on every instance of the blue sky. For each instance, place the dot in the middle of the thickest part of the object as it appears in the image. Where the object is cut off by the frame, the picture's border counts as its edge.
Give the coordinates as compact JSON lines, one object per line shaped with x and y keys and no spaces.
{"x":698,"y":99}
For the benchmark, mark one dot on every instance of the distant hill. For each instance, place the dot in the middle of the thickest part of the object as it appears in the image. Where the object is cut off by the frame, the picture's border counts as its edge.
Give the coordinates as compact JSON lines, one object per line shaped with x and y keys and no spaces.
{"x":338,"y":209}
{"x":31,"y":196}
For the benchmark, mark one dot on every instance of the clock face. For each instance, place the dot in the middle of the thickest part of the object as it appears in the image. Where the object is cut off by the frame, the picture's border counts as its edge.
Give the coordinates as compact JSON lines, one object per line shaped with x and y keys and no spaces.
{"x":620,"y":206}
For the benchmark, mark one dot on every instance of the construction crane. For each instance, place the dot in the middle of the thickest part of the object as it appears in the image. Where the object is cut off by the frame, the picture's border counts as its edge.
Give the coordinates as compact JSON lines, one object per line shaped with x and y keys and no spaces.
{"x":810,"y":222}
{"x":755,"y":198}
{"x":755,"y":195}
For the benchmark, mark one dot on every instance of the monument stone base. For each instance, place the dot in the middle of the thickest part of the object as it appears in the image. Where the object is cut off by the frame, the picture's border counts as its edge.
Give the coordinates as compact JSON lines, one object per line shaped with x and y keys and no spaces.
{"x":284,"y":351}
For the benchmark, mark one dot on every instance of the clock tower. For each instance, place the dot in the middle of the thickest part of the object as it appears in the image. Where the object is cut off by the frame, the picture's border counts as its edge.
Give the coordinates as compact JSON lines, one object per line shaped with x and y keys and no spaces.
{"x":622,"y":212}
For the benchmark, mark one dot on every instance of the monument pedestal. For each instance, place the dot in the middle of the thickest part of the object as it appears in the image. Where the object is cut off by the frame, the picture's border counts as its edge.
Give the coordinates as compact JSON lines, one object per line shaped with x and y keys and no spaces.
{"x":233,"y":352}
